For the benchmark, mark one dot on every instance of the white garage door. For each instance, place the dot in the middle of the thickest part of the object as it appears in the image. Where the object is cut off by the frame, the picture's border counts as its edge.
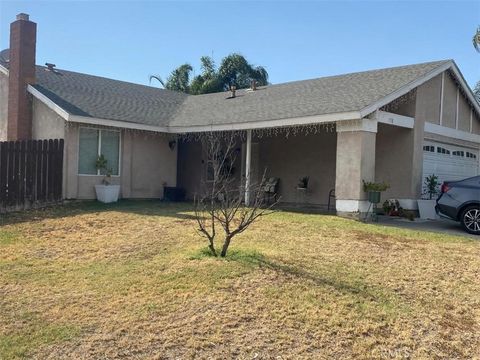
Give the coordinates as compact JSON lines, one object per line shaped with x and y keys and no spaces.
{"x":449,"y":162}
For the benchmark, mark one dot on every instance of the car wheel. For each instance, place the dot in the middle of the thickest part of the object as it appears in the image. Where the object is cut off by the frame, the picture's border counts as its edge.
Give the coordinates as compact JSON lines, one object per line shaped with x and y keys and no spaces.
{"x":470,"y":219}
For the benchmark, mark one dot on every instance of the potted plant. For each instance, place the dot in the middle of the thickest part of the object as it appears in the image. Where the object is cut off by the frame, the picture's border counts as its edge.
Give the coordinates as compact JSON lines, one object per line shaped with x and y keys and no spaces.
{"x":106,"y":192}
{"x":426,"y":205}
{"x":374,"y":190}
{"x":303,"y":182}
{"x":391,"y":207}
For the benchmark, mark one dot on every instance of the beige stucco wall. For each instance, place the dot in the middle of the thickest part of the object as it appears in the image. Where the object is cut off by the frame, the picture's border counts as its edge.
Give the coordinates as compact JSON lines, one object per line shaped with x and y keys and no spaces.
{"x":399,"y":151}
{"x":449,"y":102}
{"x":146,"y":163}
{"x":428,"y":104}
{"x":46,"y":124}
{"x":463,"y":113}
{"x":355,"y":162}
{"x":475,"y":124}
{"x":152,"y":164}
{"x":394,"y":165}
{"x":418,"y":134}
{"x":294,"y":157}
{"x":3,"y":106}
{"x":428,"y":100}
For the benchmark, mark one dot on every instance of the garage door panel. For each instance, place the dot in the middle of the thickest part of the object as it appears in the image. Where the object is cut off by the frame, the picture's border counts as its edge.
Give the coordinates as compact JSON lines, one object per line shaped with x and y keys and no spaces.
{"x":446,"y":165}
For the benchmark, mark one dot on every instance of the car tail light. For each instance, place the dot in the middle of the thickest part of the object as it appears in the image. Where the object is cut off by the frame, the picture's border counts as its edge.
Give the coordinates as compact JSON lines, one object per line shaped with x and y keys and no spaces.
{"x":445,"y":188}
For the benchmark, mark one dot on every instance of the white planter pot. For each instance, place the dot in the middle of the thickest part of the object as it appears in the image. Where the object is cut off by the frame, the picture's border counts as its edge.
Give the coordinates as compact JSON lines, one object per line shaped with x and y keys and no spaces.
{"x":107,"y":193}
{"x":426,"y":208}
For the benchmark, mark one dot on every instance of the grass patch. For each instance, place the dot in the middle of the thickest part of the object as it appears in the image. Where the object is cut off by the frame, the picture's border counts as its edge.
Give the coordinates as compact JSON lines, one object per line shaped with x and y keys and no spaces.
{"x":7,"y":238}
{"x":33,"y":332}
{"x":90,"y":280}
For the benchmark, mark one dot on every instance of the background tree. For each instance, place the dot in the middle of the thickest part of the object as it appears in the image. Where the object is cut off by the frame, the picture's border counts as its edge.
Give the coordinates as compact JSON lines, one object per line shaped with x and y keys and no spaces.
{"x":476,"y":45}
{"x":234,"y":69}
{"x":476,"y":40}
{"x":209,"y":80}
{"x":220,"y":203}
{"x":178,"y":80}
{"x":476,"y":91}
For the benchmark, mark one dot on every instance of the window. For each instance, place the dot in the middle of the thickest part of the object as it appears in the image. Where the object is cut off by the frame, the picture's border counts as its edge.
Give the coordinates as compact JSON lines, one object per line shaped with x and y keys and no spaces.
{"x":429,"y":148}
{"x":210,"y":171}
{"x":93,"y":143}
{"x":458,"y":153}
{"x":442,"y":150}
{"x":220,"y":165}
{"x":470,"y":155}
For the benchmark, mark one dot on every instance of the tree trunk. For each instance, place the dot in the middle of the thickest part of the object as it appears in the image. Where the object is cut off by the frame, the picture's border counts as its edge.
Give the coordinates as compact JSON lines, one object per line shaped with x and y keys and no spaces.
{"x":212,"y":249}
{"x":226,"y":244}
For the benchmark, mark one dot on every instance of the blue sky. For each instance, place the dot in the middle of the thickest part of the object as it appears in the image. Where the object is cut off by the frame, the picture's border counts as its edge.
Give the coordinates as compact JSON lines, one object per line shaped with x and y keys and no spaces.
{"x":293,"y":40}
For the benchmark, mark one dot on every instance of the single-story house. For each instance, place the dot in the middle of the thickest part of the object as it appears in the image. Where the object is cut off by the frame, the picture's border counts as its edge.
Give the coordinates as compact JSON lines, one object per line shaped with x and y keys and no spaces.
{"x":396,"y":125}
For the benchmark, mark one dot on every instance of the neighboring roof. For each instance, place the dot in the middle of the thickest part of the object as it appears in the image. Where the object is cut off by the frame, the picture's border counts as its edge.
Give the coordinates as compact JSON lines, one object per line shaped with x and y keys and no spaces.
{"x":358,"y":94}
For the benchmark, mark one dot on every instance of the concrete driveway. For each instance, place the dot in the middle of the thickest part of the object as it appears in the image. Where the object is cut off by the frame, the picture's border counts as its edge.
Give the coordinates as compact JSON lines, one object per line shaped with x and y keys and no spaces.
{"x":443,"y":226}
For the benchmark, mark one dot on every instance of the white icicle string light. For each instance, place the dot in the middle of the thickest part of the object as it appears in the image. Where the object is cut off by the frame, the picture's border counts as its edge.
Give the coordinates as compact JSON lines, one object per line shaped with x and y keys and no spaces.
{"x":286,"y":131}
{"x":395,"y":104}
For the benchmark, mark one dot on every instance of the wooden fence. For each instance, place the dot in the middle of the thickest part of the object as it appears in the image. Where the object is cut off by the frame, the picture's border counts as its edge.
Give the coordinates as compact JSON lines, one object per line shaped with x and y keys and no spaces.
{"x":31,"y":173}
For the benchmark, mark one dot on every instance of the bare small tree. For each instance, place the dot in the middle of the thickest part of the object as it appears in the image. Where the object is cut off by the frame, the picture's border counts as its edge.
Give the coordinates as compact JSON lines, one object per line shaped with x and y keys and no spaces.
{"x":220,"y":202}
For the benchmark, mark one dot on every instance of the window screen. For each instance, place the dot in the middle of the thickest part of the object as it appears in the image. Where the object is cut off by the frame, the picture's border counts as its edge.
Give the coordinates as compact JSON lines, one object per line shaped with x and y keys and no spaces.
{"x":109,"y":148}
{"x":93,"y":143}
{"x":88,"y":151}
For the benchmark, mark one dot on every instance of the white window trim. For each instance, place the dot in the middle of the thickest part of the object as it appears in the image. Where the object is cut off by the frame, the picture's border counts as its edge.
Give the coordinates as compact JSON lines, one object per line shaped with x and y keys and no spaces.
{"x":99,"y":149}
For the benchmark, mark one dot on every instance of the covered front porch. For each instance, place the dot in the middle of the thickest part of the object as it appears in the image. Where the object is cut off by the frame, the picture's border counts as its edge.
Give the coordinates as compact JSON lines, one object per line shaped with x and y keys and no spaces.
{"x":335,"y":157}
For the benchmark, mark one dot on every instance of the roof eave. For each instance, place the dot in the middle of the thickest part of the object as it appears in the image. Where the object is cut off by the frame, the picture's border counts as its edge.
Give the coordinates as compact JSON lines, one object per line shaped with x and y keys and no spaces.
{"x":268,"y":124}
{"x":3,"y":69}
{"x":419,"y":81}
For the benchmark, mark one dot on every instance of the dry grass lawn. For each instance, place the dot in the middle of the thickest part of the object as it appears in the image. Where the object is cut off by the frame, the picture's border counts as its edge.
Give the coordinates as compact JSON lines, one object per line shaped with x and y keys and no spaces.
{"x":132,"y":280}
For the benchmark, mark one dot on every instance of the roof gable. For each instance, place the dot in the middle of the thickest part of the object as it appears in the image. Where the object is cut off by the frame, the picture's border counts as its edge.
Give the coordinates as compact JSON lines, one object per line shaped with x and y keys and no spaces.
{"x":328,"y":95}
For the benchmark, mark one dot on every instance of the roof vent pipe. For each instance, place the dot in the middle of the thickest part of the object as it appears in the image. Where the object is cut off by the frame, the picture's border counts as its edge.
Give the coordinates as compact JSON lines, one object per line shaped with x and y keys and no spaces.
{"x":50,"y":66}
{"x":23,"y":16}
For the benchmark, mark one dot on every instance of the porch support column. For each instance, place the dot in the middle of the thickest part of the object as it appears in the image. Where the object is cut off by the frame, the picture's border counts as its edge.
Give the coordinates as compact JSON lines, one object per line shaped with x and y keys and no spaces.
{"x":248,"y":159}
{"x":355,"y":162}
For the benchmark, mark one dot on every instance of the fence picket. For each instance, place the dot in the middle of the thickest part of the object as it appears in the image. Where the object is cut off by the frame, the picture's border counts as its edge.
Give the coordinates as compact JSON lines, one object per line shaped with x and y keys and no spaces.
{"x":3,"y":175}
{"x":31,"y":173}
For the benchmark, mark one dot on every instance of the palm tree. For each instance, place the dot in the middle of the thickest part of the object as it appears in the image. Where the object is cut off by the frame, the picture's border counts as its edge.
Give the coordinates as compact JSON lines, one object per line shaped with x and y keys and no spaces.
{"x":233,"y":70}
{"x":178,"y":80}
{"x":476,"y":45}
{"x":158,"y":78}
{"x":476,"y":40}
{"x":476,"y":92}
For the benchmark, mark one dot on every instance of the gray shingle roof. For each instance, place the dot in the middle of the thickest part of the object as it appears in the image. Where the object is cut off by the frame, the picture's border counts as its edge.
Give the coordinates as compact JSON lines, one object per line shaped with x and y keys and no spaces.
{"x":87,"y":95}
{"x":327,"y":95}
{"x":93,"y":96}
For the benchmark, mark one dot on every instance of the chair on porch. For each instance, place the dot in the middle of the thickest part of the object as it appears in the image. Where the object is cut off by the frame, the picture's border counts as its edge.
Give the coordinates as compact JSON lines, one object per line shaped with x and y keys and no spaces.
{"x":271,"y":189}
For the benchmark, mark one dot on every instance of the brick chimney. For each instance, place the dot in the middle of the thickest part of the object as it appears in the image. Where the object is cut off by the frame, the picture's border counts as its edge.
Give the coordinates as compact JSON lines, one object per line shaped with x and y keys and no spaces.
{"x":23,"y":38}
